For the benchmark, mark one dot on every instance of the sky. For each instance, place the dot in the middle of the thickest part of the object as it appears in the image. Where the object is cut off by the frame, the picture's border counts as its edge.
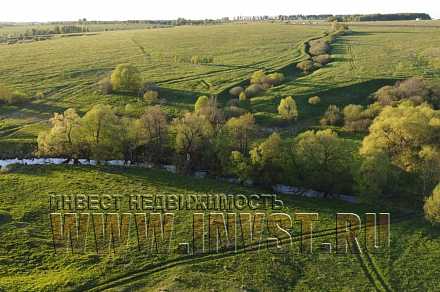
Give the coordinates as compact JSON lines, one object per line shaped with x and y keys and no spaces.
{"x":54,"y":10}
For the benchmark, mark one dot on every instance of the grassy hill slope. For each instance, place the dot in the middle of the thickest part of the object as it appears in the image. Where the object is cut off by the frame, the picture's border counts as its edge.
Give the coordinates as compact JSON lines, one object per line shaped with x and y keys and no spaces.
{"x":27,"y":259}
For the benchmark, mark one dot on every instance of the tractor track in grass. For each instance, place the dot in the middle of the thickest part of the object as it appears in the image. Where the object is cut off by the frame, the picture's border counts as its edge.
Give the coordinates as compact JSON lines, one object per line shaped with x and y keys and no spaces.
{"x":371,"y":273}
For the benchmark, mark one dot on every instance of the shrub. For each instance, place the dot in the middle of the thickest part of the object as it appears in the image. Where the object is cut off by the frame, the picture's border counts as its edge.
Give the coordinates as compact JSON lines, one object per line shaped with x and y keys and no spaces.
{"x":387,"y":95}
{"x":432,"y":206}
{"x":105,"y":86}
{"x":314,"y":100}
{"x":332,"y":116}
{"x":413,"y":89}
{"x":235,"y":91}
{"x":319,"y":47}
{"x":126,"y":77}
{"x":306,"y":66}
{"x":275,"y":78}
{"x":322,"y":59}
{"x":288,"y":109}
{"x":253,"y":90}
{"x":151,"y":97}
{"x":258,"y":77}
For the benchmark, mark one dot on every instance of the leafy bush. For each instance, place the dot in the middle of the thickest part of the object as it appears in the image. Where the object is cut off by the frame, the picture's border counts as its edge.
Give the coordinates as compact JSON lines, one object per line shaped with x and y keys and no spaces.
{"x":235,"y":91}
{"x":306,"y":66}
{"x":105,"y":86}
{"x":314,"y":100}
{"x":332,"y":116}
{"x":267,"y":81}
{"x":432,"y":206}
{"x":414,"y":89}
{"x":253,"y":90}
{"x":126,"y":77}
{"x":319,"y":47}
{"x":322,"y":59}
{"x":288,"y":109}
{"x":275,"y":78}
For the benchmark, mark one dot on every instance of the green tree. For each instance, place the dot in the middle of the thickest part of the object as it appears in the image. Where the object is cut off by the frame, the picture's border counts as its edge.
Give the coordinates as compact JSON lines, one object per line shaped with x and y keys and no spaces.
{"x":126,"y":77}
{"x":432,"y":206}
{"x":266,"y":159}
{"x":152,"y":130}
{"x":288,"y":109}
{"x":61,"y":140}
{"x":332,"y":116}
{"x":241,"y":130}
{"x":240,"y":166}
{"x":408,"y":136}
{"x":324,"y":159}
{"x":201,"y":103}
{"x":193,"y":132}
{"x":100,"y":130}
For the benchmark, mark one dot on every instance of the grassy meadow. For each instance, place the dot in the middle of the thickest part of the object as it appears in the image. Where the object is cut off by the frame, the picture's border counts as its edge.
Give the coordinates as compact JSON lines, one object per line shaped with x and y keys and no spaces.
{"x":27,"y":260}
{"x":63,"y":72}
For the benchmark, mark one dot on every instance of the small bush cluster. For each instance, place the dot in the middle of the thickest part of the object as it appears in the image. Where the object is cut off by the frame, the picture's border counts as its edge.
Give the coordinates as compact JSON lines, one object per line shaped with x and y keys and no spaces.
{"x":358,"y":119}
{"x":414,"y":90}
{"x":332,"y":116}
{"x":194,"y":59}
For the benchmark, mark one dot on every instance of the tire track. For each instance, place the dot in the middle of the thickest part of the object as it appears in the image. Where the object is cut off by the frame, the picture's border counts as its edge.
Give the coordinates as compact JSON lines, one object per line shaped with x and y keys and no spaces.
{"x":191,"y":259}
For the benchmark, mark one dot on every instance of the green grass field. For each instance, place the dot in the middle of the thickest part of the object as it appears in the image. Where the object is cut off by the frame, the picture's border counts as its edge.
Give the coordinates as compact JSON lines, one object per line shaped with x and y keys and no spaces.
{"x":27,"y":259}
{"x":66,"y":70}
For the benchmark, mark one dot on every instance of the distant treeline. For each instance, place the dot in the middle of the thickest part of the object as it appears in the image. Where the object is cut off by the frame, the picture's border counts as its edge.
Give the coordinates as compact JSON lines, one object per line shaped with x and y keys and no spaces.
{"x":384,"y":17}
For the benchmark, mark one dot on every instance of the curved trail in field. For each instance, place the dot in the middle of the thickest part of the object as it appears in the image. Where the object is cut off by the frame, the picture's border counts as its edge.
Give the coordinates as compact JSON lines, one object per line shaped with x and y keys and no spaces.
{"x":371,"y":273}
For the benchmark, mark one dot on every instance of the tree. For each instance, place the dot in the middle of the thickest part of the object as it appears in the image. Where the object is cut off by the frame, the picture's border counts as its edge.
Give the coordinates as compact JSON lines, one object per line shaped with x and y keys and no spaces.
{"x":324,"y":159}
{"x":202,"y":102}
{"x":126,"y":77}
{"x":152,"y":131}
{"x":332,"y":116}
{"x":432,"y":206}
{"x":240,"y":166}
{"x":208,"y":107}
{"x":408,"y":136}
{"x":288,"y":109}
{"x":241,"y":130}
{"x":375,"y":178}
{"x":100,"y":130}
{"x":61,"y":140}
{"x":193,"y":131}
{"x":266,"y":159}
